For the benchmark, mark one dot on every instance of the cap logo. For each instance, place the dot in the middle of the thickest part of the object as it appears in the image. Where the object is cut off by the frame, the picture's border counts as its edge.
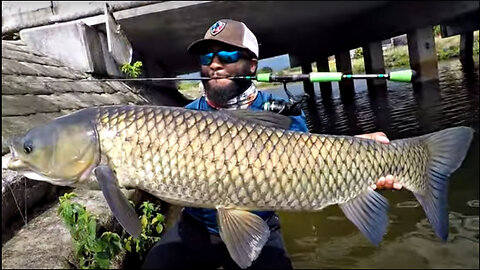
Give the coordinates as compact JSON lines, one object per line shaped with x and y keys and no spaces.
{"x":217,"y":27}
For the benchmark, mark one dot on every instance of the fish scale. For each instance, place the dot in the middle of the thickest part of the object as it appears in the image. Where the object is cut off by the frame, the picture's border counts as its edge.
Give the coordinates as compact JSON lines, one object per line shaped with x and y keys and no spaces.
{"x":235,"y":161}
{"x":290,"y":163}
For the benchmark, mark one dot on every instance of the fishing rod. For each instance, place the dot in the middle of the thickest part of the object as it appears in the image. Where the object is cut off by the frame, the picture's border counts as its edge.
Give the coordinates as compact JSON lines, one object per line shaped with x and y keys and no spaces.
{"x":397,"y":76}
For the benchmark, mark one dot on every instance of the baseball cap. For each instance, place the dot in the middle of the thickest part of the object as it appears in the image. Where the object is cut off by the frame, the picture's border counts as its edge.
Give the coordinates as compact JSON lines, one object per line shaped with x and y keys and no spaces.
{"x":230,"y":32}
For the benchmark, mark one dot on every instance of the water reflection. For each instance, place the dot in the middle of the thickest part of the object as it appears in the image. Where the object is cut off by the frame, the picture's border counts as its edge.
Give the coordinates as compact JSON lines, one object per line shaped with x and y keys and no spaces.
{"x":326,"y":239}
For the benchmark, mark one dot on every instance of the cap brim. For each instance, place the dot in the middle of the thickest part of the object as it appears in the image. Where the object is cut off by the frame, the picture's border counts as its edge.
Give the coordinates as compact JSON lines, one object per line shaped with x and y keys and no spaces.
{"x":201,"y":46}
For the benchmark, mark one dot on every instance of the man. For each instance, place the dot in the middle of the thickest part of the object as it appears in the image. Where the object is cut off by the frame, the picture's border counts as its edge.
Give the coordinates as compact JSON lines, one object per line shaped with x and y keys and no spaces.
{"x":229,"y":48}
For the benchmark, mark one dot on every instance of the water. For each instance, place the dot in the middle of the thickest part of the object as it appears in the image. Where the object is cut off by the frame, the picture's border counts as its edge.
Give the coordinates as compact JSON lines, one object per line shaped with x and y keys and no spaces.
{"x":326,"y":239}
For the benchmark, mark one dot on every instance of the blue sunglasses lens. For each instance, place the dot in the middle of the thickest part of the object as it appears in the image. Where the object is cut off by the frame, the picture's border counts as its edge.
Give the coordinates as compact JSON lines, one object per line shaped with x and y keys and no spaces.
{"x":224,"y":56}
{"x":206,"y":59}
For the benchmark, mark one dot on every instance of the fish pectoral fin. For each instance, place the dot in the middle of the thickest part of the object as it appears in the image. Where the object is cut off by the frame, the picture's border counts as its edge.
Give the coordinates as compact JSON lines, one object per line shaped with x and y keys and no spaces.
{"x":244,"y":234}
{"x":118,"y":203}
{"x":264,"y":118}
{"x":368,"y":212}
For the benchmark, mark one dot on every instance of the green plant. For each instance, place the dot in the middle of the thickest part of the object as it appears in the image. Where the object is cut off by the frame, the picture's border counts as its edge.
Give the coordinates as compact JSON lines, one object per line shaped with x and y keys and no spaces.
{"x":437,"y":31}
{"x":132,"y":71}
{"x":358,"y":53}
{"x":92,"y":252}
{"x":152,"y":226}
{"x":358,"y":65}
{"x":187,"y":85}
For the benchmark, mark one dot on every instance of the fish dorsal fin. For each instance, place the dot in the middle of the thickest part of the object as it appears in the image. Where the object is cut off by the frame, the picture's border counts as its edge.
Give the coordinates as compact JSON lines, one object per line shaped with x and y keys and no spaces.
{"x":368,"y":211}
{"x":244,"y":234}
{"x":118,"y":203}
{"x":264,"y":118}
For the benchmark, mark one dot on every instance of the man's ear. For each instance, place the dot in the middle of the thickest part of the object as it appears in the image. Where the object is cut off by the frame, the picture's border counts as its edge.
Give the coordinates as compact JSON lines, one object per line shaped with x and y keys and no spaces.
{"x":253,"y":66}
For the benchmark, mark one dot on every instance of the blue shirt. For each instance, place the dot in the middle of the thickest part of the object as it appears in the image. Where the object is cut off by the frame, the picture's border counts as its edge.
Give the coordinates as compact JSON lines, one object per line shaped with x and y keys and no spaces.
{"x":209,"y":216}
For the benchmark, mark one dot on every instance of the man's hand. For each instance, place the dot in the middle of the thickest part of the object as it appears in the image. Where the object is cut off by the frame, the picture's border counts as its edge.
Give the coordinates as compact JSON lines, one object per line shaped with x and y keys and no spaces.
{"x":389,"y":181}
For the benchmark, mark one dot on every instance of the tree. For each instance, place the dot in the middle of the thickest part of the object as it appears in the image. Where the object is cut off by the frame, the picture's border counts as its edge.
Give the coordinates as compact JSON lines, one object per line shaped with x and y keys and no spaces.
{"x":265,"y":70}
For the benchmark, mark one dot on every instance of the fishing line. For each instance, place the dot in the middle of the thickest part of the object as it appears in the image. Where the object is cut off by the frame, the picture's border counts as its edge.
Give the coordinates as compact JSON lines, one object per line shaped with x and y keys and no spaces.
{"x":16,"y":203}
{"x":25,"y":198}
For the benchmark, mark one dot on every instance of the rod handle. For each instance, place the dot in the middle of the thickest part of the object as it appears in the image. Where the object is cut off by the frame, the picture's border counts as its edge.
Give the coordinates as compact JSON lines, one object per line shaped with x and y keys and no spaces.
{"x":325,"y":76}
{"x":402,"y":75}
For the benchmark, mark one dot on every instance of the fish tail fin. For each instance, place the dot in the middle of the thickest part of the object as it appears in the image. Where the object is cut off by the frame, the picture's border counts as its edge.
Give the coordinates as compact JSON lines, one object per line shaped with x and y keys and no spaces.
{"x":447,"y":150}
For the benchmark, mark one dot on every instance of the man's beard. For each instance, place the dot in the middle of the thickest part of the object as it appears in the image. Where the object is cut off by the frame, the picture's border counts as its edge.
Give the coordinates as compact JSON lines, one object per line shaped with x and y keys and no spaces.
{"x":220,"y":95}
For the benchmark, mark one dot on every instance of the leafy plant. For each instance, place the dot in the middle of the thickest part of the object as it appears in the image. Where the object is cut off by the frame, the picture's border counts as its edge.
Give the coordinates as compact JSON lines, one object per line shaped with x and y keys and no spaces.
{"x":132,"y":71}
{"x":358,"y":53}
{"x":152,"y":226}
{"x":93,"y":252}
{"x":437,"y":31}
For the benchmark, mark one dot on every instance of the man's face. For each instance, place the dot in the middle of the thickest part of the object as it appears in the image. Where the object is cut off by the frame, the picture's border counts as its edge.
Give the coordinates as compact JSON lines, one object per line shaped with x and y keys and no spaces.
{"x":221,"y":90}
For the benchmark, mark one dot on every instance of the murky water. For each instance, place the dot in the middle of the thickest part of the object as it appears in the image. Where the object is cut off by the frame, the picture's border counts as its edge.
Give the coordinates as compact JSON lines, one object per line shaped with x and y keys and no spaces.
{"x":326,"y":239}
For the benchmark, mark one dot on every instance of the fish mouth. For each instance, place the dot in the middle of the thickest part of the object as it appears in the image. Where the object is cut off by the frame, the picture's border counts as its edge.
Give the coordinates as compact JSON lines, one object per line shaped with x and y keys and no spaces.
{"x":14,"y":163}
{"x":23,"y":168}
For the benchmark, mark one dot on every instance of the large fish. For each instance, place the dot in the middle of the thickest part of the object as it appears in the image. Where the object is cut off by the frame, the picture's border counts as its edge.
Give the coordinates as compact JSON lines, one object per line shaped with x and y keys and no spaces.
{"x":236,"y":161}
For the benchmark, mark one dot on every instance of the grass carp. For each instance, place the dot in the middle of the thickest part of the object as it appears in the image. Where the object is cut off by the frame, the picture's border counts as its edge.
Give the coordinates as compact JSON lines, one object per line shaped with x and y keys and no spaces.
{"x":236,"y":161}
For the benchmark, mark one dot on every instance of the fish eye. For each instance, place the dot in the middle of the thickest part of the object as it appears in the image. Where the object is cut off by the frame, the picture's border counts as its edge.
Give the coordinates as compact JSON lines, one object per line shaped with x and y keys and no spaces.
{"x":27,"y":147}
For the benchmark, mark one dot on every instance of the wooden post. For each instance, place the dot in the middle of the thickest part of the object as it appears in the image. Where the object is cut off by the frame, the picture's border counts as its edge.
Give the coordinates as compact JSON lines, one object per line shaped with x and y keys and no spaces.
{"x":422,"y":53}
{"x":373,"y":58}
{"x":344,"y":65}
{"x":466,"y":47}
{"x":325,"y":87}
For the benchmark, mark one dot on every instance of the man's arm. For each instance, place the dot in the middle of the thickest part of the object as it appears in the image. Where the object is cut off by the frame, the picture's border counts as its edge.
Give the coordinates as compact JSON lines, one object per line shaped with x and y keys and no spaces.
{"x":387,"y":182}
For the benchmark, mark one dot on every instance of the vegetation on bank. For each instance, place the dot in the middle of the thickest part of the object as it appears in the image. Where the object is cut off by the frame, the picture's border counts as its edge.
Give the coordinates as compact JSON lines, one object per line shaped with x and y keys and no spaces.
{"x":394,"y":58}
{"x":96,"y":251}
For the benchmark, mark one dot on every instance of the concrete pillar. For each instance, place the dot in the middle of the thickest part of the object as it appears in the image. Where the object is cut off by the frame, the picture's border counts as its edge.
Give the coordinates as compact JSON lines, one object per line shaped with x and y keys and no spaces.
{"x":325,"y":87}
{"x":466,"y":47}
{"x":344,"y":65}
{"x":373,"y":58}
{"x":423,"y":56}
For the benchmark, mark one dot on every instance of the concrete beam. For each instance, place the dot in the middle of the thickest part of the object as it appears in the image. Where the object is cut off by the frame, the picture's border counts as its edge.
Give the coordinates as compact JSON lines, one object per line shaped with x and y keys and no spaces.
{"x":462,"y":24}
{"x":344,"y":65}
{"x":374,"y":63}
{"x":423,"y":56}
{"x":325,"y":87}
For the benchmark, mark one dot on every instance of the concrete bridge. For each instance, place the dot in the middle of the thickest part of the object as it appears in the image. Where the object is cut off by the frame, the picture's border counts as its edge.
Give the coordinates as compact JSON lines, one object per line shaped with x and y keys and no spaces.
{"x":309,"y":31}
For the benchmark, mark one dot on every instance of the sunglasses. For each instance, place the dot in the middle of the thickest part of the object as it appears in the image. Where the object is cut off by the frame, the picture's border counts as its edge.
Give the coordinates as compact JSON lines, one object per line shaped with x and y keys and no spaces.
{"x":223,"y":56}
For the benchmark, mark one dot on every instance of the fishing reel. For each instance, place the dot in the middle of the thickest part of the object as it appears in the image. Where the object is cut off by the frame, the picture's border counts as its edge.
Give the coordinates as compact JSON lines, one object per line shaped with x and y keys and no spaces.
{"x":283,"y":107}
{"x":292,"y":108}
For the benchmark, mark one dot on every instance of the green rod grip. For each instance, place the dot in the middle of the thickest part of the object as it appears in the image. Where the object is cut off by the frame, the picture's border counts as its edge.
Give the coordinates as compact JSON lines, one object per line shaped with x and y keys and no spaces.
{"x":401,"y":76}
{"x":325,"y":76}
{"x":263,"y":77}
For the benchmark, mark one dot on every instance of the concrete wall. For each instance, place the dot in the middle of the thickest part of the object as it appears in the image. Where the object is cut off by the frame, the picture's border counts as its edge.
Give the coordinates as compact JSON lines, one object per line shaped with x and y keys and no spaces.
{"x":76,"y":45}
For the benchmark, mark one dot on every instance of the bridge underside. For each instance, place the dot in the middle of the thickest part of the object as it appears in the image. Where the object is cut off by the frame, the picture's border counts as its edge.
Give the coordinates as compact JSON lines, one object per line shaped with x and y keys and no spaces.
{"x":306,"y":30}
